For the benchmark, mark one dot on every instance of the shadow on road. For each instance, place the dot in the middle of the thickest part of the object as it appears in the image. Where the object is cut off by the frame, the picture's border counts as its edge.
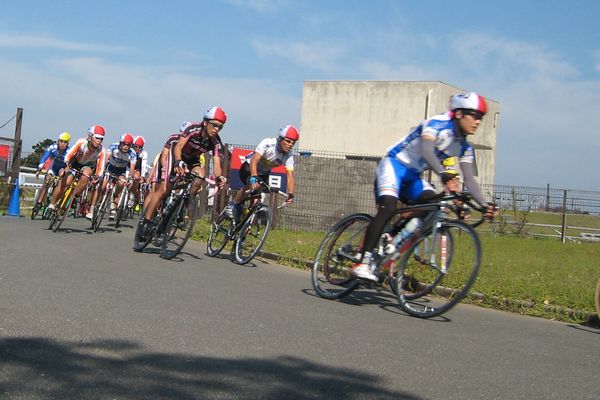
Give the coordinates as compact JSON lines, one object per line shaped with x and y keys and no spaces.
{"x":50,"y":369}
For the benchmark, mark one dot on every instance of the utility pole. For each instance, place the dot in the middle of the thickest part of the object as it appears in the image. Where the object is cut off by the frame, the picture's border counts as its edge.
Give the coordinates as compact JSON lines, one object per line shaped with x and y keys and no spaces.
{"x":16,"y":162}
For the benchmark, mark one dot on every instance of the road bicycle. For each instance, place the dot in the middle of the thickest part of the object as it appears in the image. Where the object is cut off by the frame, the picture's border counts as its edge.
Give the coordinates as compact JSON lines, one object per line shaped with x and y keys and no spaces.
{"x":106,"y":201}
{"x":250,"y":232}
{"x":65,"y":203}
{"x":174,"y":222}
{"x":46,"y":194}
{"x":429,"y":272}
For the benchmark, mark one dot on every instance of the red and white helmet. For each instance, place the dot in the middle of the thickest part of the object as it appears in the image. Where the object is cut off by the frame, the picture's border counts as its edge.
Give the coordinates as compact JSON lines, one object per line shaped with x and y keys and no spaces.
{"x":289,"y":132}
{"x":468,"y":101}
{"x":139,"y":141}
{"x":96,"y":131}
{"x":127,"y":138}
{"x":216,"y":113}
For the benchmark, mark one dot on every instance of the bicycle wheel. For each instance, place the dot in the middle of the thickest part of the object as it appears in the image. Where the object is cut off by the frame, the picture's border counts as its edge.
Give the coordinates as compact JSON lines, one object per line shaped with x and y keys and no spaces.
{"x":63,"y":210}
{"x":219,"y":234}
{"x":35,"y":210}
{"x":121,"y":206}
{"x":339,"y":250}
{"x":179,"y":227}
{"x":435,"y":273}
{"x":253,"y":235}
{"x":139,"y":242}
{"x":101,"y":210}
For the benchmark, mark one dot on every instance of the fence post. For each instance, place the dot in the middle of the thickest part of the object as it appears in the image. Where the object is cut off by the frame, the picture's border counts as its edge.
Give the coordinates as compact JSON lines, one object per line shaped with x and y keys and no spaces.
{"x":564,"y":217}
{"x":547,"y":197}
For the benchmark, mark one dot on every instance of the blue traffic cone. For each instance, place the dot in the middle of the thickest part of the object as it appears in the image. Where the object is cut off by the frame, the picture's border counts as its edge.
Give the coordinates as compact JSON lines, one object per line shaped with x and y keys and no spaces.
{"x":14,"y":208}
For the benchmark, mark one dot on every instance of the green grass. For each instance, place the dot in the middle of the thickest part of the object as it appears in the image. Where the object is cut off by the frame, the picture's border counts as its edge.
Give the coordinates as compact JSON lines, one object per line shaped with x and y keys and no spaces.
{"x":540,"y":277}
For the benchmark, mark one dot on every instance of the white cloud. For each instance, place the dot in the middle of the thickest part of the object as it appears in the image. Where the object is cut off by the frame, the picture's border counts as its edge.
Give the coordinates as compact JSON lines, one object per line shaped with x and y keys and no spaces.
{"x":262,"y":6}
{"x":320,"y":56}
{"x":49,"y":42}
{"x":153,"y":102}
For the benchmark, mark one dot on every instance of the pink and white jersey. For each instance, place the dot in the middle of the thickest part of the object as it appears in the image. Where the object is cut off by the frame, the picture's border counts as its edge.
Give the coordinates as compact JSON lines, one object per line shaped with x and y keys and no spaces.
{"x":272,"y":156}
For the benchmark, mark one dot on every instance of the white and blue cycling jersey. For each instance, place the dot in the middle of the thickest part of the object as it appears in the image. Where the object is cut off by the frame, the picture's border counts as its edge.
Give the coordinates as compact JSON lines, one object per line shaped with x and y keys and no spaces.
{"x":58,"y":158}
{"x":399,"y":173}
{"x":118,"y":159}
{"x":446,"y":144}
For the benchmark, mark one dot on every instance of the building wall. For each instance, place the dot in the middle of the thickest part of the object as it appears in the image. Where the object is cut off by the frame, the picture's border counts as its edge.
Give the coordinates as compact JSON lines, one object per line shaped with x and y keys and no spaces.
{"x":367,"y":117}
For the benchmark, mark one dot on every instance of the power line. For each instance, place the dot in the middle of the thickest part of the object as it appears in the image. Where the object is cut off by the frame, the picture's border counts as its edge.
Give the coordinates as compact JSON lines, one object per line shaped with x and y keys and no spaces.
{"x":13,"y":117}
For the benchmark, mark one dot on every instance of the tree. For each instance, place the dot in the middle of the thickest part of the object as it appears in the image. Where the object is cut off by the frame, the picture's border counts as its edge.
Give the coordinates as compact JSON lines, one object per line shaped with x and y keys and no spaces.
{"x":32,"y":160}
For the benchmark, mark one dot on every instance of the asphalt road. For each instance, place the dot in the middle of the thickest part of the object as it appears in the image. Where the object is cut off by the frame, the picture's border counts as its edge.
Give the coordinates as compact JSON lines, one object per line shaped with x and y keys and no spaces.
{"x":84,"y":317}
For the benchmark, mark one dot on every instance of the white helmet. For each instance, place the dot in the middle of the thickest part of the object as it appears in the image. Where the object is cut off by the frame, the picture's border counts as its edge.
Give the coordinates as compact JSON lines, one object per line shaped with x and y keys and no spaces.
{"x":184,"y":125}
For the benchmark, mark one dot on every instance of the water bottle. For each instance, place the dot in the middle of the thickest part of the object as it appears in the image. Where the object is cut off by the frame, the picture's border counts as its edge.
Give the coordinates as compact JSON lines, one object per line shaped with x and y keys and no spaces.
{"x":400,"y":238}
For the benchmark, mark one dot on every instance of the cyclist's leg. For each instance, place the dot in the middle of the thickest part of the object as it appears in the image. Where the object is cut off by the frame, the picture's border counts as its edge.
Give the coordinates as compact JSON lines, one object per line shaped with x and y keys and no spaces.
{"x":58,"y":192}
{"x":388,"y":181}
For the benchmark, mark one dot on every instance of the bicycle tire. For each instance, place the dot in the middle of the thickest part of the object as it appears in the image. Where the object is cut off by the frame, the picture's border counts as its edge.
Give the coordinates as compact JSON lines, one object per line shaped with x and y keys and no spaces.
{"x":139,"y":243}
{"x":425,"y":290}
{"x":46,"y":212}
{"x":339,"y":250}
{"x":120,"y":212}
{"x":101,"y":210}
{"x":35,"y":210}
{"x":65,"y":206}
{"x":180,"y":227}
{"x":219,"y":234}
{"x":253,"y":235}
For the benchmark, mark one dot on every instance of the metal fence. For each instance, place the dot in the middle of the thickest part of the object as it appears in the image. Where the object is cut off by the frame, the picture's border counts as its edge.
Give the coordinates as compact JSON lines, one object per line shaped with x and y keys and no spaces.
{"x":331,"y":185}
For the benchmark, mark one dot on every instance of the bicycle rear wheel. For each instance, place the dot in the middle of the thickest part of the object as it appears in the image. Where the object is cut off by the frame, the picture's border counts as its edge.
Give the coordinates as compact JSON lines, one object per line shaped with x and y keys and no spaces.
{"x":252,"y":235}
{"x":180,"y":227}
{"x":339,"y":250}
{"x":435,"y":273}
{"x":219,"y":234}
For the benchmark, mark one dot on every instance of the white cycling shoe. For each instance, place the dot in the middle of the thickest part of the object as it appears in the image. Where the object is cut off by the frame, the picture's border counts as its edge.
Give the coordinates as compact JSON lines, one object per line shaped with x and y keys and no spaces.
{"x":363,"y":271}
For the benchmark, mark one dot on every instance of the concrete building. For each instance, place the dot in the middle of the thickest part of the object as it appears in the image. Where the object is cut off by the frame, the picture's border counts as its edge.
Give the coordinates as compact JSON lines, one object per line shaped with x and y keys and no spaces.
{"x":367,"y":117}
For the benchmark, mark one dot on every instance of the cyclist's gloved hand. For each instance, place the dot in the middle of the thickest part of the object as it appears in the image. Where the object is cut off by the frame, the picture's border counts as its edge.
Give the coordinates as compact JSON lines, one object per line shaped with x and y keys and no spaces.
{"x":254,"y":182}
{"x":290,"y":198}
{"x":490,"y":211}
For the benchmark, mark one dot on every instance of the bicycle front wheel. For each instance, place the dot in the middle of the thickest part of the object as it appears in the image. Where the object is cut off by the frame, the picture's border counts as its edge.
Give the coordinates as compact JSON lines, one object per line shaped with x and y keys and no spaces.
{"x":253,"y":235}
{"x":140,"y":242}
{"x":437,"y":271}
{"x":101,"y":210}
{"x":219,"y":234}
{"x":63,"y":210}
{"x":180,"y":227}
{"x":339,"y":250}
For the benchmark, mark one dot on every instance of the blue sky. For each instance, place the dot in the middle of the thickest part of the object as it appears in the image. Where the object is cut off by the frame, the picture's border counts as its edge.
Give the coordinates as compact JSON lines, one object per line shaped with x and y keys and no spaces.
{"x":144,"y":67}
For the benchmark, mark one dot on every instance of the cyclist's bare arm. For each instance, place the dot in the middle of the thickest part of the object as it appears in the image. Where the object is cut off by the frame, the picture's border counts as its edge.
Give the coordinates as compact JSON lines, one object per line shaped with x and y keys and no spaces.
{"x":177,"y":150}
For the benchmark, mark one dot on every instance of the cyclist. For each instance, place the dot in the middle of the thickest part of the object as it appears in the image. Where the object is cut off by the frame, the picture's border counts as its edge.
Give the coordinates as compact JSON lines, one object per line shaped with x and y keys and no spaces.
{"x":270,"y":153}
{"x":86,"y":155}
{"x":182,"y":153}
{"x":121,"y":161}
{"x":398,"y":174}
{"x":56,"y":153}
{"x":139,"y":172}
